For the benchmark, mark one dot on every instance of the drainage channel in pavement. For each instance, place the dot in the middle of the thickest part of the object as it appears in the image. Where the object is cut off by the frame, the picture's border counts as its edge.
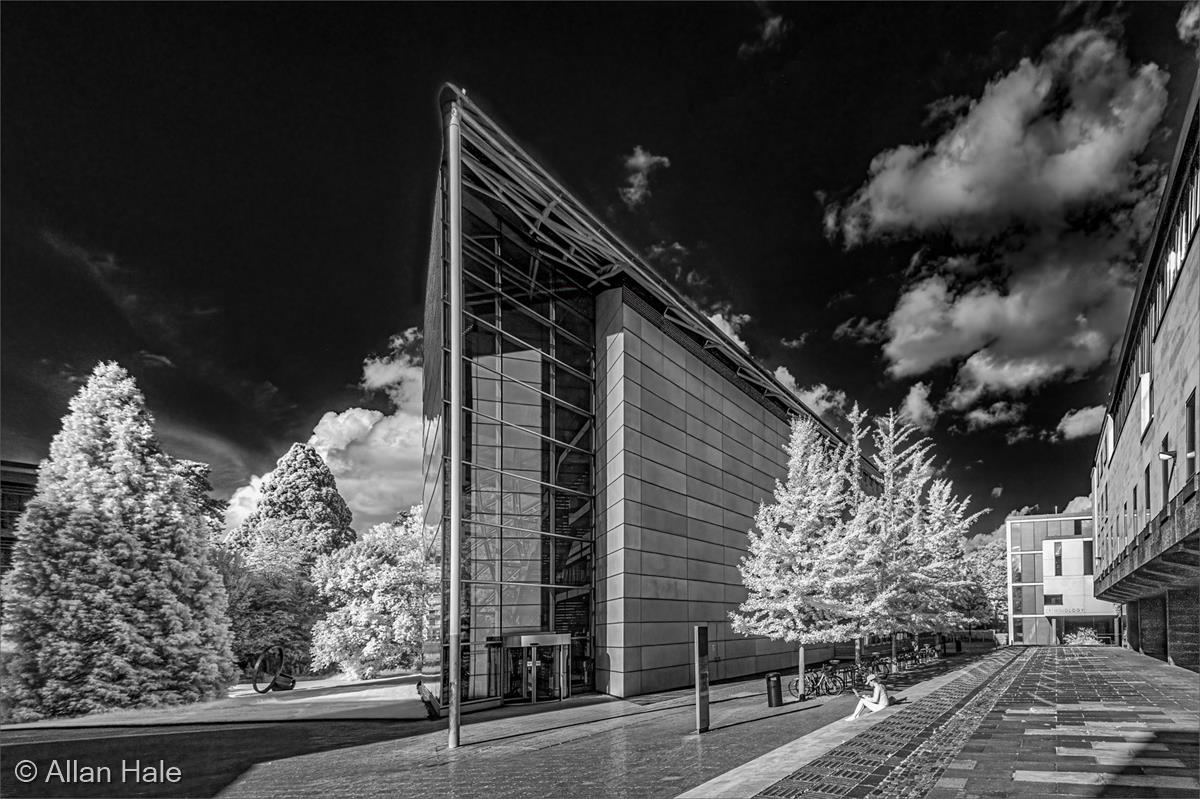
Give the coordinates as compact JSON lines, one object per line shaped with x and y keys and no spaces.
{"x":904,"y":755}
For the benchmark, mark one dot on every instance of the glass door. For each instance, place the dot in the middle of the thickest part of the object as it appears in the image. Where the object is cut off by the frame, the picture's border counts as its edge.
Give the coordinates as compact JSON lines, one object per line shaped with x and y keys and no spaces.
{"x":517,"y":666}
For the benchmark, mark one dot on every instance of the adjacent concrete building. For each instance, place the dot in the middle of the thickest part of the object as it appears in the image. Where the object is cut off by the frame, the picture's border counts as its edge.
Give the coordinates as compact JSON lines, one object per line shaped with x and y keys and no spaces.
{"x":614,"y":443}
{"x":1144,"y":481}
{"x":18,"y":483}
{"x":1050,"y":573}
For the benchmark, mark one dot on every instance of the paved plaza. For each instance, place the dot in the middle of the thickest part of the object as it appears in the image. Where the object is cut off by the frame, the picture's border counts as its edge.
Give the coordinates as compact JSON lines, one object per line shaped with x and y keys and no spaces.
{"x":1008,"y":722}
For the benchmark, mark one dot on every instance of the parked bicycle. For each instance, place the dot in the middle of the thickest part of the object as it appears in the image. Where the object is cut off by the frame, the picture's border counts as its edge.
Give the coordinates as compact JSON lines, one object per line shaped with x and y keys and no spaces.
{"x":819,"y":681}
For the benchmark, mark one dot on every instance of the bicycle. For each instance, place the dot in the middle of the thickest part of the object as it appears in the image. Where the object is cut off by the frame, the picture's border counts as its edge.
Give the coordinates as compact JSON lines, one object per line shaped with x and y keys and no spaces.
{"x":879,"y":665}
{"x":269,"y":673}
{"x":818,"y":681}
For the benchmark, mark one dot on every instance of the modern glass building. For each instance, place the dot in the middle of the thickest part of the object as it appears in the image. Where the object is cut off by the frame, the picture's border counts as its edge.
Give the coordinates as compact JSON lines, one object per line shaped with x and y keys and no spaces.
{"x":1051,"y":566}
{"x":612,"y":449}
{"x":1145,"y":481}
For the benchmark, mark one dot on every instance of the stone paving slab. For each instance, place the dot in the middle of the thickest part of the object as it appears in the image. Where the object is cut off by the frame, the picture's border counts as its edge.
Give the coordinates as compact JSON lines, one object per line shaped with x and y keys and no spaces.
{"x":1041,"y":722}
{"x":749,"y":779}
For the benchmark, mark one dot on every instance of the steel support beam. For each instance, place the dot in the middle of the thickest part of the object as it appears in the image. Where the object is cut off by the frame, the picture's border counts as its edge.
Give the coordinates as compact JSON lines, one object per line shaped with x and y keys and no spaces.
{"x":455,"y":422}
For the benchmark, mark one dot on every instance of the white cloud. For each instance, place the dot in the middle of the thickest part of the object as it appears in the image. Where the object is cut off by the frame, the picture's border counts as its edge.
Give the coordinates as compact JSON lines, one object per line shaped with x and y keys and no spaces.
{"x":1188,"y":24}
{"x":1080,"y":423}
{"x":771,"y":32}
{"x":1056,"y":315}
{"x":638,"y":167}
{"x":1037,"y":185}
{"x":997,"y":492}
{"x":1047,"y":137}
{"x":785,"y":376}
{"x":1017,"y":434}
{"x":916,"y":408}
{"x":862,"y":330}
{"x":797,"y":342}
{"x":820,"y":398}
{"x":243,"y":502}
{"x":375,"y":457}
{"x":731,"y":325}
{"x":1078,"y":505}
{"x":946,"y":108}
{"x":398,"y":373}
{"x":998,"y":413}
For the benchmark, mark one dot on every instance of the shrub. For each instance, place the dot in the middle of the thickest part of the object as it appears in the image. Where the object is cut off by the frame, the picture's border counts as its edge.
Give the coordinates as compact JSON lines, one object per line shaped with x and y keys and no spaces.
{"x":1085,"y":636}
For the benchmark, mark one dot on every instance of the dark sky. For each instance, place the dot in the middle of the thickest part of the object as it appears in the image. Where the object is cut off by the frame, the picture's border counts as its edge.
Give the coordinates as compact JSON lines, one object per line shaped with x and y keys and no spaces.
{"x":233,"y":201}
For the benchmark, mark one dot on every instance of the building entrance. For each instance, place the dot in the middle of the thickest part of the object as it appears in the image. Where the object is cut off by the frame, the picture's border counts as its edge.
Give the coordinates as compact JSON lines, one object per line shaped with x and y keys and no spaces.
{"x":535,"y":667}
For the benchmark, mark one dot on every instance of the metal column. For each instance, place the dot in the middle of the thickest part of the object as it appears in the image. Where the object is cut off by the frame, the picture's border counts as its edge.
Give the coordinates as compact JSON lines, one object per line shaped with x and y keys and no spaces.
{"x":455,"y":426}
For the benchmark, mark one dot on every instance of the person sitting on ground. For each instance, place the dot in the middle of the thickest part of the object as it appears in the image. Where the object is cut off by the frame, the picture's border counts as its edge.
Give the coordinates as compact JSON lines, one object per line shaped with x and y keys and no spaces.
{"x":878,"y":701}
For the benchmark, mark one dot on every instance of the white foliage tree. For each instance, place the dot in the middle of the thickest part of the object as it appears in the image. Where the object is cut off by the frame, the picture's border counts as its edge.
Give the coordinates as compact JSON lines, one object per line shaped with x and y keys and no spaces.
{"x":380,"y":590}
{"x":114,"y":601}
{"x":788,"y":570}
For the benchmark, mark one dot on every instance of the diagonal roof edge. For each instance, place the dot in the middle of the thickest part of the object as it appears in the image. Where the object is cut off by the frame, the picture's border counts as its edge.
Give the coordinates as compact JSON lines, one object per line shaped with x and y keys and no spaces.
{"x":627,"y":259}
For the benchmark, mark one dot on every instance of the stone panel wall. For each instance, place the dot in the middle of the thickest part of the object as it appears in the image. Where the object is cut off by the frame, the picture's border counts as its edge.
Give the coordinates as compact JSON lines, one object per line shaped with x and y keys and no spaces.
{"x":684,"y":458}
{"x":1183,"y":628}
{"x":1152,"y":626}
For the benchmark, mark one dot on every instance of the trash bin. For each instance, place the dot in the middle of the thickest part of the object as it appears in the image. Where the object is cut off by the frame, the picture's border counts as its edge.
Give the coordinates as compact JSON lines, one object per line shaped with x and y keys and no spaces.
{"x":774,"y":690}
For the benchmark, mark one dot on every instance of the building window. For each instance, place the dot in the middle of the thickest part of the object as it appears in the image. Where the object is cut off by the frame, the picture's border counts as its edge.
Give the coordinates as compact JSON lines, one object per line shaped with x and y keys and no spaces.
{"x":1166,"y":471}
{"x":1137,"y":523}
{"x":1058,"y":558}
{"x":1189,"y":425}
{"x":1146,"y":486}
{"x":1087,"y":557}
{"x":1054,"y":599}
{"x":1018,"y":631}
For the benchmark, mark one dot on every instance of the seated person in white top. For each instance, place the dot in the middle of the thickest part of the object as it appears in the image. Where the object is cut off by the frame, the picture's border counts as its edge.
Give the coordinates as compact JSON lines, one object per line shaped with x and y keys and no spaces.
{"x":877,"y":702}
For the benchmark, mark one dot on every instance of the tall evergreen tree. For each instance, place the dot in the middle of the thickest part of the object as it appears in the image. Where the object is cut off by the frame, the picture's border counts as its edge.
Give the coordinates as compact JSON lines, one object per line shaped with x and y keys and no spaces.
{"x":114,"y":601}
{"x":788,"y":569}
{"x":300,"y":507}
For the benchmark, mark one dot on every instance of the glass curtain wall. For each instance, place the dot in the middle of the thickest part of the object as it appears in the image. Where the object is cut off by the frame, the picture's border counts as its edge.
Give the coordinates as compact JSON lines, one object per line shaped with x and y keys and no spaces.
{"x":528,"y":469}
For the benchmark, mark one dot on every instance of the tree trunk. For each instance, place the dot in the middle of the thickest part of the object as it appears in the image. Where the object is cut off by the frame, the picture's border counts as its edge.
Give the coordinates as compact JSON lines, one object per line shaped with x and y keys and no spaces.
{"x":802,"y":697}
{"x":858,"y":651}
{"x":895,"y":663}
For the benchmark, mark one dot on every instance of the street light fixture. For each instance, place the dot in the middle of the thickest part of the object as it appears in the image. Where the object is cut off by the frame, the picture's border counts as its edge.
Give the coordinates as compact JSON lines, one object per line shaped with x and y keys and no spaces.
{"x":1166,"y":455}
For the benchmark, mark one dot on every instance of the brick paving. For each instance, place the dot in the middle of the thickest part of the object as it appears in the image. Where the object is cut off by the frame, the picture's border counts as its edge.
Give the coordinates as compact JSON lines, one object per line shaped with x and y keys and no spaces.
{"x":1085,"y":721}
{"x":894,"y":758}
{"x":1046,"y":722}
{"x":1011,"y":722}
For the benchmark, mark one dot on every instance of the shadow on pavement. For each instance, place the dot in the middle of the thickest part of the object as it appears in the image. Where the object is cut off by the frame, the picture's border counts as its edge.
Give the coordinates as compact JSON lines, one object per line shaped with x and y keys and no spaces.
{"x":105,"y":761}
{"x":1182,"y":745}
{"x":732,"y":724}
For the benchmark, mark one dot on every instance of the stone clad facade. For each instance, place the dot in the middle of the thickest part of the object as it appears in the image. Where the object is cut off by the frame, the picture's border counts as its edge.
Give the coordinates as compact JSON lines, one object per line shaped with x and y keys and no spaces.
{"x":686,"y":459}
{"x":614,"y":445}
{"x":1146,"y":477}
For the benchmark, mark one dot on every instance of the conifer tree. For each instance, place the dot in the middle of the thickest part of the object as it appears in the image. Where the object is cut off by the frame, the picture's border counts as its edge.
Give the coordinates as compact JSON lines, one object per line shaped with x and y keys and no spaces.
{"x":788,"y":569}
{"x":114,"y":603}
{"x":300,"y":507}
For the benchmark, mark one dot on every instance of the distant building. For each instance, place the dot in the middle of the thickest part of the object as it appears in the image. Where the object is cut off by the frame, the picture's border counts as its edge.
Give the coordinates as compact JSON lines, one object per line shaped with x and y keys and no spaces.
{"x":1144,"y":480}
{"x":18,"y":482}
{"x":615,"y":443}
{"x":1050,"y":573}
